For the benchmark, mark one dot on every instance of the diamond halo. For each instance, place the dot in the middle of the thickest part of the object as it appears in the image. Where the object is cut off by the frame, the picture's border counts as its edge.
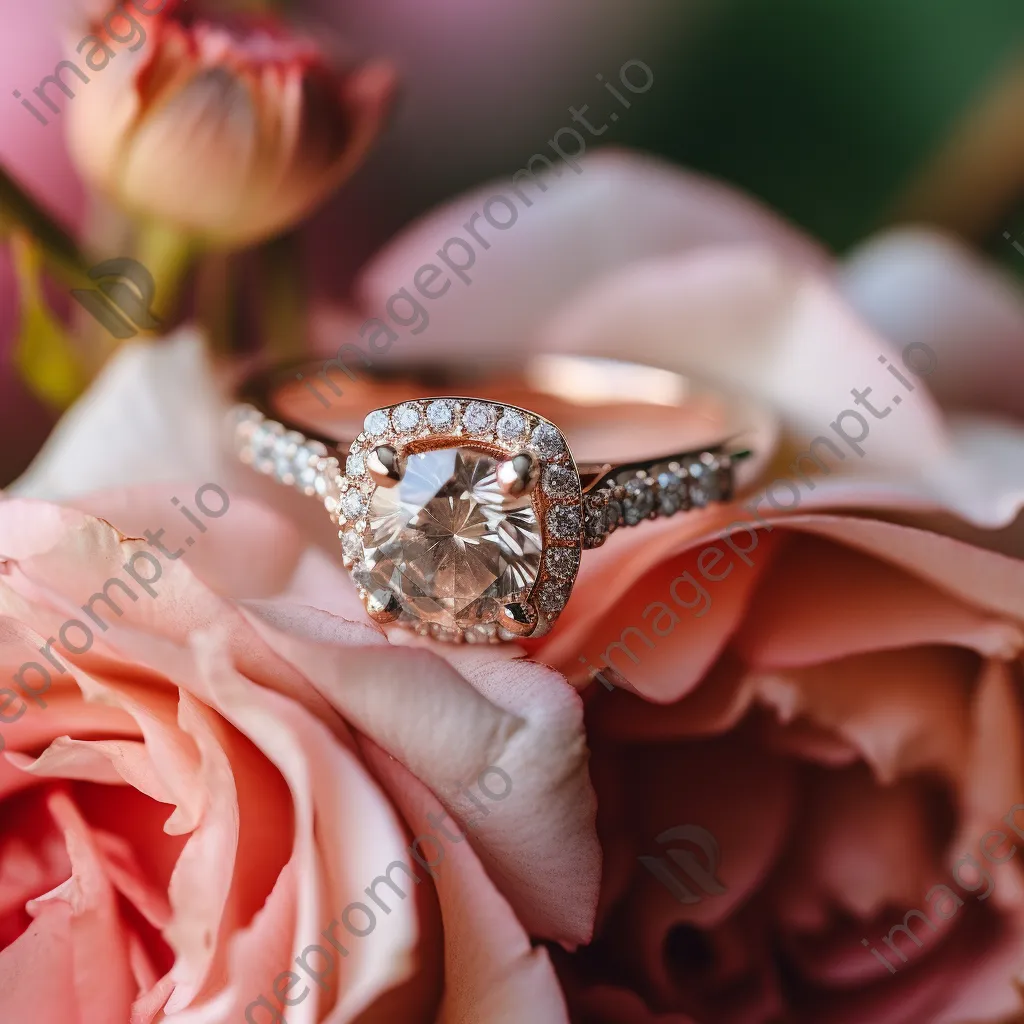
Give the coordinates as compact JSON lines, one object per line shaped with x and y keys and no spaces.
{"x":437,"y":544}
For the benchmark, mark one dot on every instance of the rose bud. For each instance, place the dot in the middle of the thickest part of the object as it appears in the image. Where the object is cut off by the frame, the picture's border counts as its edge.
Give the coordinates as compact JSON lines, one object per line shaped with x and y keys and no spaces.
{"x":229,"y":129}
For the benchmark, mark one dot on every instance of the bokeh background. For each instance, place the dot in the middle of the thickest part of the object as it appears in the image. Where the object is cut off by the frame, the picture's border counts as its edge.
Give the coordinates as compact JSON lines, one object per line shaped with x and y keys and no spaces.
{"x":844,"y":115}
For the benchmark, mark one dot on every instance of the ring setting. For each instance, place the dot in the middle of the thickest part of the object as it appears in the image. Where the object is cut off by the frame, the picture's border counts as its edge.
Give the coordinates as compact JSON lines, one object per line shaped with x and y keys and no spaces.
{"x":461,"y":519}
{"x":464,"y":519}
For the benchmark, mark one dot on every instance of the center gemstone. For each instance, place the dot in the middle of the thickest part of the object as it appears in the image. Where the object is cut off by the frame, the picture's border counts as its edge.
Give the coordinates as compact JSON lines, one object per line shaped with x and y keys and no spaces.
{"x":448,"y":543}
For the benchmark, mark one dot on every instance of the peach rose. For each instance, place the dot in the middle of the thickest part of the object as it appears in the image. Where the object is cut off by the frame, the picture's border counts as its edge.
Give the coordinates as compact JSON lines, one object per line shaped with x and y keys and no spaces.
{"x":229,"y":127}
{"x":223,"y":803}
{"x":859,"y":654}
{"x":821,"y":756}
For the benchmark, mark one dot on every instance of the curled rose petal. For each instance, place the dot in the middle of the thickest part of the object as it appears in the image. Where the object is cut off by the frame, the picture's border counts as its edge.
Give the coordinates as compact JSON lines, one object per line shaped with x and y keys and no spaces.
{"x":233,"y":815}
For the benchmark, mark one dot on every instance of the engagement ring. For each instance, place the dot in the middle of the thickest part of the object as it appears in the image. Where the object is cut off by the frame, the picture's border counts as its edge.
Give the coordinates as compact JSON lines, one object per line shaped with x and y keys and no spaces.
{"x":463,"y":517}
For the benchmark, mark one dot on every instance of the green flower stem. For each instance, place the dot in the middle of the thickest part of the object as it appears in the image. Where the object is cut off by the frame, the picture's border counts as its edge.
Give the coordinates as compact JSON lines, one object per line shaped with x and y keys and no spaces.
{"x":61,"y":256}
{"x":285,"y":307}
{"x":167,"y":254}
{"x":215,"y":289}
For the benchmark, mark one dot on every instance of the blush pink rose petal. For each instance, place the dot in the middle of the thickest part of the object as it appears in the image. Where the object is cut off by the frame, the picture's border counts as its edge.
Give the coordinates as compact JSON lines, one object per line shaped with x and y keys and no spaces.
{"x":873,"y":681}
{"x":620,"y":209}
{"x":916,"y":285}
{"x":211,"y":750}
{"x":763,"y":327}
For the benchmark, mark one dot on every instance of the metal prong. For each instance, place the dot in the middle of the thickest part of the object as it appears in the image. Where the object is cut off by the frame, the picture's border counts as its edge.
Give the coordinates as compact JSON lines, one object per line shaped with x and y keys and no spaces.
{"x":385,"y":466}
{"x":382,"y":606}
{"x":518,"y":475}
{"x":519,"y":619}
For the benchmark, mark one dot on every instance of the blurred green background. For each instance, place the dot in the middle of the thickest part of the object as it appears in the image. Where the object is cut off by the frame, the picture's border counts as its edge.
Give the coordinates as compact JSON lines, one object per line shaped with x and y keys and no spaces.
{"x":828,"y":108}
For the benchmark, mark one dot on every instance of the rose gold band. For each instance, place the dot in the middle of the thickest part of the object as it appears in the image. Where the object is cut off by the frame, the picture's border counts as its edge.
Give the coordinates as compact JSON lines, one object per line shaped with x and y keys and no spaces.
{"x":647,"y":442}
{"x":614,"y":415}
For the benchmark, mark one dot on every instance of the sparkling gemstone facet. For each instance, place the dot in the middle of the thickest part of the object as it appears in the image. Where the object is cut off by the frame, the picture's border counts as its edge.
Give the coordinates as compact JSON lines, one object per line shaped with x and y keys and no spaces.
{"x":479,"y":417}
{"x":376,"y":423}
{"x":448,"y":543}
{"x":440,"y":414}
{"x":406,"y":417}
{"x":511,"y":427}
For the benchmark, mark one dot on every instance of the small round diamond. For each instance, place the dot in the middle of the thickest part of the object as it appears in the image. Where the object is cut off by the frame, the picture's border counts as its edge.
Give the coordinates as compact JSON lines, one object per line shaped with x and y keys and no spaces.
{"x":376,"y":423}
{"x":562,"y":562}
{"x":352,"y":503}
{"x":707,"y":481}
{"x":406,"y":417}
{"x":440,"y":414}
{"x":670,"y":502}
{"x":264,"y":438}
{"x":559,"y":482}
{"x":670,"y":498}
{"x":283,"y":469}
{"x":598,"y":521}
{"x":512,"y":427}
{"x":553,"y":596}
{"x":564,"y":522}
{"x":639,"y":501}
{"x":478,"y":418}
{"x":355,"y":464}
{"x":548,"y":441}
{"x":352,"y":545}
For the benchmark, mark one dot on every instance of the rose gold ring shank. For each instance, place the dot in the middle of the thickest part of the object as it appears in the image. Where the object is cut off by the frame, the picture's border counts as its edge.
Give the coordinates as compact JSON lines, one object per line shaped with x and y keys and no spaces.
{"x":462,"y":507}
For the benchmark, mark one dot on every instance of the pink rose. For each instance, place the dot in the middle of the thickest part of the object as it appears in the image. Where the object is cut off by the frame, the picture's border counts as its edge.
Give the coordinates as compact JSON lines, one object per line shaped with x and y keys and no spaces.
{"x":825,"y":717}
{"x":222,"y":803}
{"x":864,"y":657}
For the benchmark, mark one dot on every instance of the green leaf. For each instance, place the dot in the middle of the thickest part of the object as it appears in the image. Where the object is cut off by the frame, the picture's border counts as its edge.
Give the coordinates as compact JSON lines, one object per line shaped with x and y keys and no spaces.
{"x":44,"y":354}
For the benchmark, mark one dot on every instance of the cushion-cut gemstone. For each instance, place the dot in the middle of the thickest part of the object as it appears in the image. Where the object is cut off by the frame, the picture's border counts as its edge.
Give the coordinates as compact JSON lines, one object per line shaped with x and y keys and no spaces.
{"x":448,"y":543}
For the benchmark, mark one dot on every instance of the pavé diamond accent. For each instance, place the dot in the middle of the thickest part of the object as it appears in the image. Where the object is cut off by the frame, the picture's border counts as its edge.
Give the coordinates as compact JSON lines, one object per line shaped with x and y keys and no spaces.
{"x":512,"y":427}
{"x":352,"y":503}
{"x":352,"y":545}
{"x":564,"y":521}
{"x":553,"y":596}
{"x":710,"y":479}
{"x":671,"y":492}
{"x":355,"y":464}
{"x":441,"y":414}
{"x":563,"y":562}
{"x":638,"y":503}
{"x":559,"y":482}
{"x":479,"y":418}
{"x":406,"y":417}
{"x":548,"y":441}
{"x":376,"y":423}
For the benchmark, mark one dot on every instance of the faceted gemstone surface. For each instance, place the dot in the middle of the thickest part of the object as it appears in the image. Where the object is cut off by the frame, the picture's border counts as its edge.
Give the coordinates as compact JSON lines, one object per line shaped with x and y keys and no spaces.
{"x":447,"y":543}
